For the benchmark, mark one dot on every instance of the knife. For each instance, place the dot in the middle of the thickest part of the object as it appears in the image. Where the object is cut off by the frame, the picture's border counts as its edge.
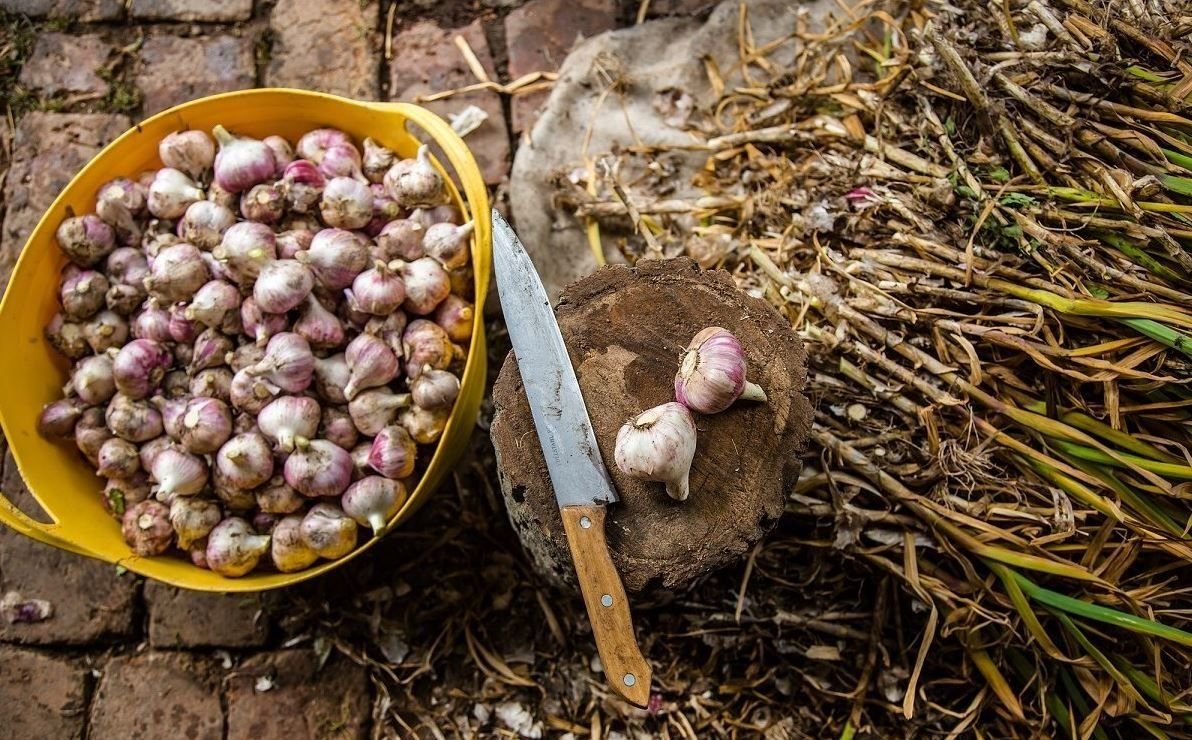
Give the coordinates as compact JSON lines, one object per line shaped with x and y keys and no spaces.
{"x":577,"y":473}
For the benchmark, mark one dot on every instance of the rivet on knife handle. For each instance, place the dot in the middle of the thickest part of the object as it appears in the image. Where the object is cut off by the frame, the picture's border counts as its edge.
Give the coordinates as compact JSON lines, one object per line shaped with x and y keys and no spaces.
{"x":608,"y":608}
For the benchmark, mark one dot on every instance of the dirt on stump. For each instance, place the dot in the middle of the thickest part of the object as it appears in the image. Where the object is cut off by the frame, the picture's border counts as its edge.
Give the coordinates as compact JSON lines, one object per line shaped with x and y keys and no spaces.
{"x":625,"y":329}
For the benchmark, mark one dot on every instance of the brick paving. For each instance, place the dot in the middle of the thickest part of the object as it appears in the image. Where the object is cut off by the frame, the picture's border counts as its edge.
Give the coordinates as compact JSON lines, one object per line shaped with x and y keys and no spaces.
{"x":120,"y":657}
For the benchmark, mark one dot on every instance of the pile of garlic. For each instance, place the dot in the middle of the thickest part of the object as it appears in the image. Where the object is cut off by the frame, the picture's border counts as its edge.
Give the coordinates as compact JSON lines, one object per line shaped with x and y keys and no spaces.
{"x":659,"y":443}
{"x":263,"y":335}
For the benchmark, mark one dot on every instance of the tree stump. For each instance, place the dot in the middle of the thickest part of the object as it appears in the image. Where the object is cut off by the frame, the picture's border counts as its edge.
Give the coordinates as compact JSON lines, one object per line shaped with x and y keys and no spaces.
{"x":625,"y":329}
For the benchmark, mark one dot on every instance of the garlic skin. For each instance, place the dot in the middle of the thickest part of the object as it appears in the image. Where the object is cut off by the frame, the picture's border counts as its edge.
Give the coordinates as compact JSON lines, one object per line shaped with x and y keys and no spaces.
{"x":378,"y":291}
{"x":139,"y":367}
{"x":86,"y":239}
{"x":264,"y":203}
{"x":107,"y":330}
{"x":250,"y":393}
{"x":456,"y":316}
{"x":182,"y":329}
{"x":133,"y":420}
{"x":346,"y":203}
{"x":90,"y":432}
{"x":374,"y":409}
{"x":336,"y":257}
{"x":67,"y":337}
{"x":434,"y":389}
{"x":373,"y":501}
{"x":424,"y":425}
{"x":400,"y":239}
{"x":193,"y":518}
{"x":204,"y":224}
{"x":121,"y":493}
{"x":82,"y":292}
{"x":93,"y":380}
{"x":245,"y":461}
{"x":427,"y":285}
{"x":331,"y":375}
{"x":215,"y":382}
{"x":205,"y":425}
{"x":319,"y":469}
{"x":177,"y":473}
{"x":259,"y":325}
{"x":152,"y":323}
{"x":415,"y":182}
{"x":288,"y":551}
{"x":314,"y":144}
{"x":376,"y":160}
{"x":712,"y":373}
{"x":245,"y":248}
{"x":371,"y":363}
{"x":277,"y":497}
{"x":336,"y":426}
{"x":328,"y":531}
{"x":342,"y":159}
{"x":318,"y":326}
{"x":282,"y":285}
{"x":190,"y":151}
{"x":290,"y":421}
{"x":146,"y":528}
{"x":171,"y":193}
{"x":241,"y":162}
{"x":283,"y":153}
{"x":233,"y":548}
{"x":659,"y":445}
{"x":448,"y":243}
{"x":393,"y":453}
{"x":288,"y":363}
{"x":211,"y":349}
{"x":176,"y":273}
{"x":214,"y":300}
{"x":426,"y":344}
{"x":118,"y":202}
{"x":302,"y":185}
{"x":57,"y":419}
{"x":118,"y":458}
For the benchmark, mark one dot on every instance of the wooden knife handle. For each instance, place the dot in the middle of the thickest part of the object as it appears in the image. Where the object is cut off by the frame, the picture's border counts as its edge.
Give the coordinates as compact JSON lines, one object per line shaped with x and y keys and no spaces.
{"x":608,"y":608}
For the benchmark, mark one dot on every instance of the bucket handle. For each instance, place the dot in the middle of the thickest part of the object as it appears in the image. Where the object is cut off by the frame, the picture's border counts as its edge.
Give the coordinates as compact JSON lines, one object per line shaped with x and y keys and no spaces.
{"x":46,"y":534}
{"x":461,"y":159}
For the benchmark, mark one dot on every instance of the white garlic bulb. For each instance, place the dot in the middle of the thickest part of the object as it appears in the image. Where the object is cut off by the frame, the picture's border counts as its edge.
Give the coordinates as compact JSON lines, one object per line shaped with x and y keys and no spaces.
{"x":659,"y":445}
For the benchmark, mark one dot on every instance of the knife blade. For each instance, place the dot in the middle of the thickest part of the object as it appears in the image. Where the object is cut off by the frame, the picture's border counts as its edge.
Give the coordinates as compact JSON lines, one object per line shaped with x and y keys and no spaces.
{"x":580,"y":480}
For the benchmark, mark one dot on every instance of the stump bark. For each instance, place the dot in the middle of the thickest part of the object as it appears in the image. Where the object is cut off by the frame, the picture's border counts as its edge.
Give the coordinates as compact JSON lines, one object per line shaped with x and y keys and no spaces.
{"x":625,"y":329}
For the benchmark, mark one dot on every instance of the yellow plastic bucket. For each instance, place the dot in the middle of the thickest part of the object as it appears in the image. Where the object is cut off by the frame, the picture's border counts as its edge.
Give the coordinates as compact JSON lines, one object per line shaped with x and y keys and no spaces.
{"x":32,"y":373}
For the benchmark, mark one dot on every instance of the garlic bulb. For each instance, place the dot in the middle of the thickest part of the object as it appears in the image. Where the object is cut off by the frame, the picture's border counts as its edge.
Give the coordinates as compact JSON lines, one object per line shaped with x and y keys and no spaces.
{"x":241,"y":162}
{"x":282,"y":285}
{"x":82,"y":292}
{"x":376,"y":160}
{"x":336,"y":426}
{"x":233,"y":548}
{"x":205,"y":223}
{"x":659,"y":445}
{"x":245,"y":249}
{"x":393,"y":453}
{"x":448,"y":243}
{"x":712,"y":373}
{"x":374,"y":409}
{"x":190,"y":151}
{"x":400,"y":239}
{"x":171,"y":193}
{"x":336,"y":257}
{"x":290,"y":421}
{"x":426,"y":284}
{"x":93,"y":380}
{"x":319,"y":469}
{"x":434,"y":389}
{"x":58,"y":418}
{"x":178,"y":473}
{"x":327,"y":530}
{"x":118,"y":458}
{"x":245,"y":461}
{"x":146,"y":528}
{"x":289,"y":552}
{"x":415,"y":182}
{"x":67,"y":337}
{"x":371,"y":363}
{"x":283,"y":153}
{"x":205,"y":425}
{"x":318,"y":326}
{"x":86,"y":240}
{"x":105,"y":331}
{"x":176,"y":273}
{"x":373,"y":501}
{"x":346,"y":203}
{"x":278,"y":497}
{"x":424,"y":425}
{"x":193,"y":518}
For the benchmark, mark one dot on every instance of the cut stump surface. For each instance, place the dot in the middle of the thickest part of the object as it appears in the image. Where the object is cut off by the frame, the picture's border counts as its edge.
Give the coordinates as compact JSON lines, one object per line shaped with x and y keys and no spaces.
{"x":625,"y":329}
